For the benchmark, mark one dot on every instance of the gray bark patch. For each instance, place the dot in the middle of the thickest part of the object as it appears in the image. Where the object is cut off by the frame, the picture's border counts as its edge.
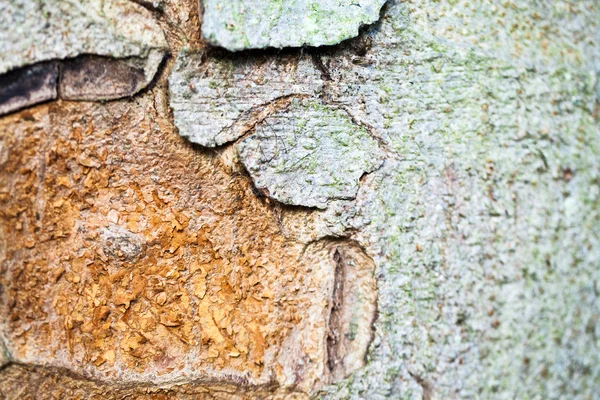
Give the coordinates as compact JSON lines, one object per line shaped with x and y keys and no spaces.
{"x":309,"y":154}
{"x":33,"y":31}
{"x":217,"y":100}
{"x":254,"y":24}
{"x":121,"y":244}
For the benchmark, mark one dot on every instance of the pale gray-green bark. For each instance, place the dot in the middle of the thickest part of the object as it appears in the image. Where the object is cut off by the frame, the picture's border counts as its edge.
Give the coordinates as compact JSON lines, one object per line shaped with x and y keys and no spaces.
{"x":255,"y":24}
{"x":485,"y":223}
{"x":484,"y":219}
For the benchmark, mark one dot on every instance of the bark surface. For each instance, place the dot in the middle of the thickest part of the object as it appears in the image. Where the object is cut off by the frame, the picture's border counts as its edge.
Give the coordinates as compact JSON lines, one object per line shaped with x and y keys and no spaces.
{"x":413,"y":213}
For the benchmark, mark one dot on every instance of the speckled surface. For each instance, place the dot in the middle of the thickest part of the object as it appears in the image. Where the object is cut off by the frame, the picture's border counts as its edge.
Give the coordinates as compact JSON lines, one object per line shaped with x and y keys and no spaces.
{"x":483,"y":220}
{"x":309,"y":154}
{"x":216,"y":100}
{"x":256,"y":24}
{"x":115,"y":46}
{"x":41,"y":30}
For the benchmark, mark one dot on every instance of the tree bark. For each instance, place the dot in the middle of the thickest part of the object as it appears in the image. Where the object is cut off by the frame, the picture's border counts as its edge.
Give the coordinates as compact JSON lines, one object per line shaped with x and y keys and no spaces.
{"x":410,"y":213}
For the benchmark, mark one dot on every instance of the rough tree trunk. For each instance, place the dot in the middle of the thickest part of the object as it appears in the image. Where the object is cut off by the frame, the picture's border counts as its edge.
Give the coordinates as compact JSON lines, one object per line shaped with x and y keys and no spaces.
{"x":411,"y":213}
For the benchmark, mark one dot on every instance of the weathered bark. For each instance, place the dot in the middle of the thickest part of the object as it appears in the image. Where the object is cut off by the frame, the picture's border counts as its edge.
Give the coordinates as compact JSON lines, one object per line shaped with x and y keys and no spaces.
{"x":413,"y":213}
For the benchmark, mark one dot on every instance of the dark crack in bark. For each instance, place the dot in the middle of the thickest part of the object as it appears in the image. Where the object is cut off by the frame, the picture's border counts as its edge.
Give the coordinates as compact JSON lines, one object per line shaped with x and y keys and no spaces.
{"x":352,"y":303}
{"x":334,"y":338}
{"x":83,"y":78}
{"x":27,"y":86}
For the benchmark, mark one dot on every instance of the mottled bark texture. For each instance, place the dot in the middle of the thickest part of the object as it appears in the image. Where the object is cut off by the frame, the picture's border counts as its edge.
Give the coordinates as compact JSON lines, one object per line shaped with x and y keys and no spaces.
{"x":413,"y":213}
{"x":257,"y":24}
{"x":75,"y":50}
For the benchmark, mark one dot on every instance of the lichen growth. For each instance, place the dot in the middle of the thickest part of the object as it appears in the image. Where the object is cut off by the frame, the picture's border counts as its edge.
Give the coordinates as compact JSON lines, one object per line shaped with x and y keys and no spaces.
{"x":251,"y":24}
